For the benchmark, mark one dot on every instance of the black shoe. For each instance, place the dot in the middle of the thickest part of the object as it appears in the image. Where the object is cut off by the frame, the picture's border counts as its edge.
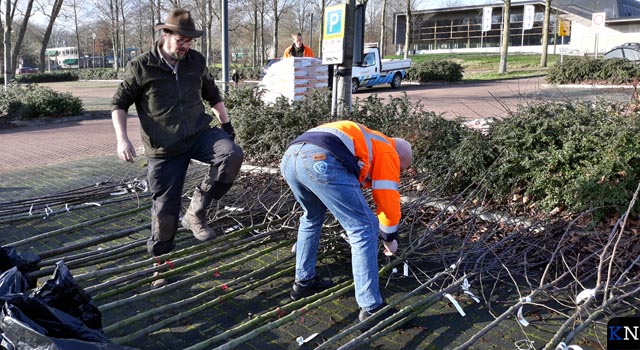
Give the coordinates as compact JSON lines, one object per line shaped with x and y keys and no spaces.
{"x":364,"y":314}
{"x":313,"y":286}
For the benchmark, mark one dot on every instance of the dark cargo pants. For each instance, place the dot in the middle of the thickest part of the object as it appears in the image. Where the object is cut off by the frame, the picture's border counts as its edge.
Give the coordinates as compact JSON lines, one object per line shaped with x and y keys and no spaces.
{"x":166,"y":182}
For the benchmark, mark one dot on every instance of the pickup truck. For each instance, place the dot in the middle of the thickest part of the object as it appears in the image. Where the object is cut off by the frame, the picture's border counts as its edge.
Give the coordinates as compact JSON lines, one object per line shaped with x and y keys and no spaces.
{"x":376,"y":71}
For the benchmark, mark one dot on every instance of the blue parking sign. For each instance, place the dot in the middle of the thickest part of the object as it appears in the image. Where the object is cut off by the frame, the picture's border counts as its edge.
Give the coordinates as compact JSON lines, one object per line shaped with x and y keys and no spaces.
{"x":334,"y":21}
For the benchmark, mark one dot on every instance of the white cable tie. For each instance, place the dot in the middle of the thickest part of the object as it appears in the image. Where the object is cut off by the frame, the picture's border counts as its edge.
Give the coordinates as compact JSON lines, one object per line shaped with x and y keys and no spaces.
{"x":563,"y":346}
{"x":519,"y":316}
{"x":293,"y":248}
{"x":455,"y":304}
{"x":465,"y":289}
{"x":93,"y":203}
{"x":584,"y":295}
{"x":345,"y":237}
{"x":232,"y":209}
{"x":232,"y":228}
{"x":405,"y":271}
{"x":524,"y":344}
{"x":302,"y":341}
{"x":31,"y":210}
{"x":465,"y":284}
{"x":66,"y":207}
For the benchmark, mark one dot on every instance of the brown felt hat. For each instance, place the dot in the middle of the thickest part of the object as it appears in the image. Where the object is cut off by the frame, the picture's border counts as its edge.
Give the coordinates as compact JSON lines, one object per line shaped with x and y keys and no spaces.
{"x":179,"y":21}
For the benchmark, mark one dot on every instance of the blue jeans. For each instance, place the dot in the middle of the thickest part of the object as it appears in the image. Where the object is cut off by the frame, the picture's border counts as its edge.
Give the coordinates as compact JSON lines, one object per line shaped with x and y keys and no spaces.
{"x":319,"y":182}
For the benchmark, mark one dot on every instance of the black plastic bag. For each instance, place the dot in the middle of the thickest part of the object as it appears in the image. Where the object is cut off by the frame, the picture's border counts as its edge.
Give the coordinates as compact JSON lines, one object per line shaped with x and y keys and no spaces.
{"x":63,"y":293}
{"x":25,"y":262}
{"x":12,"y":282}
{"x":21,"y":336}
{"x":46,"y":320}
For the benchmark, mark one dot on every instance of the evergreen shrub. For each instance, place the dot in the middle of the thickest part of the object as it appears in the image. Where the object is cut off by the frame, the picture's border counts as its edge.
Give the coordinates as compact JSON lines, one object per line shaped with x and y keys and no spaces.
{"x":589,"y":70}
{"x":576,"y":156}
{"x":31,"y":101}
{"x":438,"y":70}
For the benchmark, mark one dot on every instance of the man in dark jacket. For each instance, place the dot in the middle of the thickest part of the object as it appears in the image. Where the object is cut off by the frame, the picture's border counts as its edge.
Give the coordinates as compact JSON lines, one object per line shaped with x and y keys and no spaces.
{"x":168,"y":85}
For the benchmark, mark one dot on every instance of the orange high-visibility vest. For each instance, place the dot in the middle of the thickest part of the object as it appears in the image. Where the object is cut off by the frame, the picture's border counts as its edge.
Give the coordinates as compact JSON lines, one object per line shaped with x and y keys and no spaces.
{"x":379,"y":167}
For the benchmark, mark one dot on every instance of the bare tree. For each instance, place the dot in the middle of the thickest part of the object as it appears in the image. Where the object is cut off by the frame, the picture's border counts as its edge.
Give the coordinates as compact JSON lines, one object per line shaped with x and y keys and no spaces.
{"x":279,"y":7}
{"x":74,"y":9}
{"x":55,"y":11}
{"x":545,"y":33}
{"x":8,"y":20}
{"x":504,"y":46}
{"x":21,"y":33}
{"x":383,"y":24}
{"x":407,"y":33}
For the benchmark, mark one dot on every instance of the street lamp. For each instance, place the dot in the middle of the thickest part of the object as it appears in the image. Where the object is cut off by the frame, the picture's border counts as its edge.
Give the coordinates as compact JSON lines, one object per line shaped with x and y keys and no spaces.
{"x":93,"y":56}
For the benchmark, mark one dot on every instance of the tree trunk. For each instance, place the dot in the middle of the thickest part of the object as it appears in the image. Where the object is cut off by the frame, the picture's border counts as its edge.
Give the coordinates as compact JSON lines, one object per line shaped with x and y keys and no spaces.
{"x":407,"y":31}
{"x":320,"y":37}
{"x":74,"y":7}
{"x":276,"y":19}
{"x":545,"y":33}
{"x":262,"y":52}
{"x":383,"y":22}
{"x":504,"y":46}
{"x":55,"y":11}
{"x":254,"y":58}
{"x":8,"y":74}
{"x":23,"y":29}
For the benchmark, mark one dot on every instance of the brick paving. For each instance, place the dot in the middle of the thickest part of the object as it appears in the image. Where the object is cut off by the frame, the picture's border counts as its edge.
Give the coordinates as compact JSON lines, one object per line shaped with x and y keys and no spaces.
{"x":42,"y":160}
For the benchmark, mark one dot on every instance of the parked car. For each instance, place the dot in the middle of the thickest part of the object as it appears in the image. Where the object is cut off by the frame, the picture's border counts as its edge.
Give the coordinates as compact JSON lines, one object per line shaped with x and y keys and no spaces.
{"x":26,"y":70}
{"x":630,"y":51}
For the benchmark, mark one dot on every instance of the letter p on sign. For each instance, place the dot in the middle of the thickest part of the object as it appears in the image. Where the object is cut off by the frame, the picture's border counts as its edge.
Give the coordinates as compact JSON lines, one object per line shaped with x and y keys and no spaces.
{"x":334,"y":21}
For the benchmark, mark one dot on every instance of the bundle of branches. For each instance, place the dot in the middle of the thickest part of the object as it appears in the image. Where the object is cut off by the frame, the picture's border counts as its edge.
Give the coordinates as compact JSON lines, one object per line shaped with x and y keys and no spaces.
{"x":452,"y":249}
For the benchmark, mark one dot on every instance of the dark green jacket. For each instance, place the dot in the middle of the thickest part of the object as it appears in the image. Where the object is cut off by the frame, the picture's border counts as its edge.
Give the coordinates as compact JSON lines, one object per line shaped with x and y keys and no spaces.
{"x":170,"y":106}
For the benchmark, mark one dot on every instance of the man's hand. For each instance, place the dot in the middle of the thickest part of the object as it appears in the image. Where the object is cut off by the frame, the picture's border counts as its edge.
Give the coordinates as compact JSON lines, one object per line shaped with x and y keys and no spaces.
{"x":126,"y":151}
{"x":228,"y":128}
{"x":390,"y":248}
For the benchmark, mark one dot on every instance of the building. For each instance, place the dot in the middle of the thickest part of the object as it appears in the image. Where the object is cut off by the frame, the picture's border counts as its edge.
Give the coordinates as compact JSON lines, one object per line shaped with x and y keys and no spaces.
{"x":460,"y":28}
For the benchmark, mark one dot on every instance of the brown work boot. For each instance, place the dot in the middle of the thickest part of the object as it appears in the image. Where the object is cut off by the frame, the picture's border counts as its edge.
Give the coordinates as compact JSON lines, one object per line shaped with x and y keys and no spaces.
{"x":195,"y":219}
{"x":158,"y":282}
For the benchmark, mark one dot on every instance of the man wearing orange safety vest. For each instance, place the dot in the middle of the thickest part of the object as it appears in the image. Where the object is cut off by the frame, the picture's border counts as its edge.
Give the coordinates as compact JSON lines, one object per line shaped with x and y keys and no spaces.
{"x":297,"y":49}
{"x":326,"y":167}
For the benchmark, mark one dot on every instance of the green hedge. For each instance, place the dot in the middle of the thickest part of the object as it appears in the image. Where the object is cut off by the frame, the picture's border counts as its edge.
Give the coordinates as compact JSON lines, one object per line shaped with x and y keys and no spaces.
{"x":589,"y":70}
{"x":438,"y":70}
{"x":573,"y":156}
{"x":31,"y":101}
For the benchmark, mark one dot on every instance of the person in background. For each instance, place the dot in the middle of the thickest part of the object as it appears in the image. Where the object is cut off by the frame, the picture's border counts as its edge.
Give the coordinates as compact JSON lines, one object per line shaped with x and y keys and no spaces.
{"x":168,"y":84}
{"x":235,"y":76}
{"x":297,"y":49}
{"x":326,"y":167}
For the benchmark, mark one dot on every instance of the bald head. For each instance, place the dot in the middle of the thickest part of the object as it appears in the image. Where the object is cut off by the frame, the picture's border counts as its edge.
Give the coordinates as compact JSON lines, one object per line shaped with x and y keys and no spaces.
{"x":403,"y":147}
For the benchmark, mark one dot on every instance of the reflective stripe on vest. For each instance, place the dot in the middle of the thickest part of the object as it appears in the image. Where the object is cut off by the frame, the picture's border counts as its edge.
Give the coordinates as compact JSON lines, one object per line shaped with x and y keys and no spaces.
{"x":384,"y":185}
{"x":348,"y":142}
{"x":388,"y":229}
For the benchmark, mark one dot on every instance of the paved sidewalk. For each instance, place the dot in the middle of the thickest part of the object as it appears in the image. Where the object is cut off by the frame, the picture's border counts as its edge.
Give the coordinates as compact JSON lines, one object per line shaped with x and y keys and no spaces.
{"x":55,"y":143}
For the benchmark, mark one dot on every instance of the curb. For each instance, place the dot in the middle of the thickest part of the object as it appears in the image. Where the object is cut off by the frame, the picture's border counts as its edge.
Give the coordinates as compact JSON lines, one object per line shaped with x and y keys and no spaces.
{"x":36,"y":122}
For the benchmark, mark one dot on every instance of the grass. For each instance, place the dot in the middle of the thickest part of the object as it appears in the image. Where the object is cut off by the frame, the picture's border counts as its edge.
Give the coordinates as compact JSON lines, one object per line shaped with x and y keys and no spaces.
{"x":484,"y":66}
